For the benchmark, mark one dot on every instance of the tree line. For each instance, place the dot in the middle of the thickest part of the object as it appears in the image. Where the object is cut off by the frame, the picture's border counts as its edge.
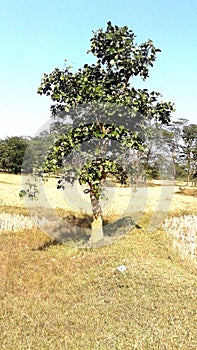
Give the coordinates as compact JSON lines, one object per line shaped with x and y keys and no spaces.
{"x":180,"y":139}
{"x":179,"y":136}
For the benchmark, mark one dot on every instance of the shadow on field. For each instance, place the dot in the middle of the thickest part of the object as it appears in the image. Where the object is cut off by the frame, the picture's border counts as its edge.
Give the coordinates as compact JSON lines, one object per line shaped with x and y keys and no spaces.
{"x":46,"y":245}
{"x":74,"y":230}
{"x":185,"y":191}
{"x":119,"y":227}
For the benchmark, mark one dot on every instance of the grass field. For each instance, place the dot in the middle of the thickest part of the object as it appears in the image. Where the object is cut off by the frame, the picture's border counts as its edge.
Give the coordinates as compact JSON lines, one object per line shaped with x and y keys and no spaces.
{"x":53,"y":296}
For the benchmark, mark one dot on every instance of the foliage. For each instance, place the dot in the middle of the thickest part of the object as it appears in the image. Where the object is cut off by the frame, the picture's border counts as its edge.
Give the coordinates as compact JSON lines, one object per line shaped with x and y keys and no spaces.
{"x":189,"y":150}
{"x":65,"y":143}
{"x":172,"y":137}
{"x":96,"y":89}
{"x":119,"y":59}
{"x":97,"y":170}
{"x":36,"y":151}
{"x":12,"y":151}
{"x":179,"y":138}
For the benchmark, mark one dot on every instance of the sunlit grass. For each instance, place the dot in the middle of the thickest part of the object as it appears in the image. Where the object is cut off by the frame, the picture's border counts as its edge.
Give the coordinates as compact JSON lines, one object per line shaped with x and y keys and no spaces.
{"x":53,"y":296}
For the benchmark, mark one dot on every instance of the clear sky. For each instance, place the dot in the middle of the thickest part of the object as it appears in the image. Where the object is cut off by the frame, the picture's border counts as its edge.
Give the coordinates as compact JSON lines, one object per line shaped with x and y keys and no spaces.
{"x":38,"y":35}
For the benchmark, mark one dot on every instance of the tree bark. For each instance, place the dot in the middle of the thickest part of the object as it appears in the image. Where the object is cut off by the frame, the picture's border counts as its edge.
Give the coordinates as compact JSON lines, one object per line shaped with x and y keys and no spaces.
{"x":97,"y":224}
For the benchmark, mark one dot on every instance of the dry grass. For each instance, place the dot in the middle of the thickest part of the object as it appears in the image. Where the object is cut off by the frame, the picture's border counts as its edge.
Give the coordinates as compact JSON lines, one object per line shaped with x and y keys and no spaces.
{"x":14,"y":222}
{"x":184,"y":231}
{"x":56,"y":297}
{"x":53,"y":297}
{"x":120,"y":200}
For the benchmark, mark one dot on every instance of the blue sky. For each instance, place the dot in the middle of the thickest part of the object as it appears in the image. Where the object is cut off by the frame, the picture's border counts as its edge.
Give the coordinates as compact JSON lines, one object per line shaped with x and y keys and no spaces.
{"x":38,"y":35}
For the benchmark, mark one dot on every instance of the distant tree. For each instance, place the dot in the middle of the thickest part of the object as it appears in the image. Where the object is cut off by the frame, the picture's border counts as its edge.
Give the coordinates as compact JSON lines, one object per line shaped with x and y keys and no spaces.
{"x":171,"y":135}
{"x":36,"y":151}
{"x":194,"y":174}
{"x":12,"y":151}
{"x":189,"y":147}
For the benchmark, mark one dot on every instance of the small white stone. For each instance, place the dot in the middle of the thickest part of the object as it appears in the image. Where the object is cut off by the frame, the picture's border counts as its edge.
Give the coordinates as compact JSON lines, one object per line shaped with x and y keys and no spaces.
{"x":121,"y":268}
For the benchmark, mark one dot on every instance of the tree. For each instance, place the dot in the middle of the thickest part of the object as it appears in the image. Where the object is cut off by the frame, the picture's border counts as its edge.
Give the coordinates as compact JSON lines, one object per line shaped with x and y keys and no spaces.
{"x":97,"y":88}
{"x":36,"y":151}
{"x":194,"y":175}
{"x":171,"y":135}
{"x":12,"y":151}
{"x":189,"y":137}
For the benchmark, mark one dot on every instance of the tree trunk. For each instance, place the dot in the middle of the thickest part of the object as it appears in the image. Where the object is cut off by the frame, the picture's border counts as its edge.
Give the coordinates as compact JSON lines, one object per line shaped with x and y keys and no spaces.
{"x":174,"y":166}
{"x":188,"y":173}
{"x":97,"y":231}
{"x":97,"y":224}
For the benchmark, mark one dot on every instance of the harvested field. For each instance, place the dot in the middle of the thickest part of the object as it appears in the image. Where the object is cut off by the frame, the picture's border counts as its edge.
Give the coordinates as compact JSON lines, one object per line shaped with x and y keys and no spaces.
{"x":137,"y":293}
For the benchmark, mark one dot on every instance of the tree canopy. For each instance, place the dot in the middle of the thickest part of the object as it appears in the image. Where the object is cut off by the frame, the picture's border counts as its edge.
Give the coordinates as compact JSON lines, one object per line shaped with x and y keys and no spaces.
{"x":109,"y":80}
{"x":12,"y":151}
{"x":105,"y":94}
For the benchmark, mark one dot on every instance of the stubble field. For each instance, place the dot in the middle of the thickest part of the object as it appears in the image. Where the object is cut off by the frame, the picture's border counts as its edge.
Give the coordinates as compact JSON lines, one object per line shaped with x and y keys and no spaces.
{"x":55,"y":296}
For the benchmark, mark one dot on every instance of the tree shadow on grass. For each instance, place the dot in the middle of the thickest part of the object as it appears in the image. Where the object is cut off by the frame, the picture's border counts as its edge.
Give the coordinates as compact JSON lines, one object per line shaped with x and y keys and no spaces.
{"x":119,"y":227}
{"x":76,"y":231}
{"x":46,"y":245}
